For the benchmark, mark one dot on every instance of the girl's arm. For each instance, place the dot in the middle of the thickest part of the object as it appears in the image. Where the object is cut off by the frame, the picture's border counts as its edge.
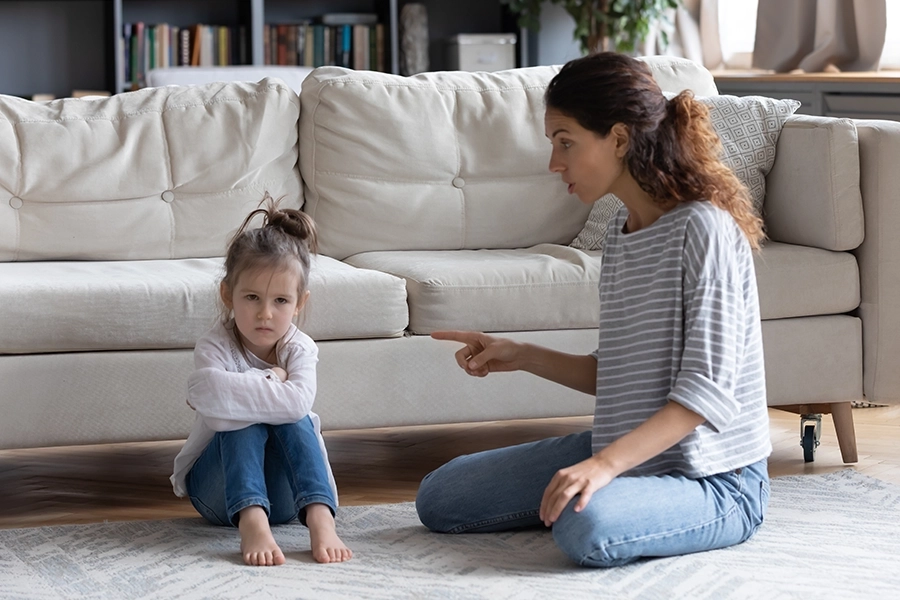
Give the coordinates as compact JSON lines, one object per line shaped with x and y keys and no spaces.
{"x":228,"y":400}
{"x":655,"y":435}
{"x":483,"y":354}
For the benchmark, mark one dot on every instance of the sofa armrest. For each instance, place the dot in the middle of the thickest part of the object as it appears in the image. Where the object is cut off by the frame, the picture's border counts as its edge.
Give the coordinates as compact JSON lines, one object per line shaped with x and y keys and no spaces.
{"x":813,"y":192}
{"x":879,"y":259}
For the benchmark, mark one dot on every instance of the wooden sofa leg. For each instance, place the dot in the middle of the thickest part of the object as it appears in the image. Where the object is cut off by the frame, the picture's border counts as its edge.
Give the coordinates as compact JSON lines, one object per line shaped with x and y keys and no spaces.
{"x":846,"y":435}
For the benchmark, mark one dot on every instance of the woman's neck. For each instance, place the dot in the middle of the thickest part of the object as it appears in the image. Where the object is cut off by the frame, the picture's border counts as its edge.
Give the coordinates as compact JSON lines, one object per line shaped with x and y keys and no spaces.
{"x":643,"y":210}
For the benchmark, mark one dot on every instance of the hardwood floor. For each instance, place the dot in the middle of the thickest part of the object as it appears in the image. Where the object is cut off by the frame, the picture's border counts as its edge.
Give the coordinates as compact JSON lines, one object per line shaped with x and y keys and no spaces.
{"x":87,"y":484}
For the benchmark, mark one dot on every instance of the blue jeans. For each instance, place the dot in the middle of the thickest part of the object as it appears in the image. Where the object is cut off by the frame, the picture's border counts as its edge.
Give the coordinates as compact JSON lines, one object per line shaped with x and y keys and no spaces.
{"x":277,"y":467}
{"x":631,"y":518}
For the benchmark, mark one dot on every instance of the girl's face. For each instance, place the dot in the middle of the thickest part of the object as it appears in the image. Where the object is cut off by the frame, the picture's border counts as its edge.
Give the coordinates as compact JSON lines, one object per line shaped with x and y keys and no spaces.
{"x":591,"y":165}
{"x":264,"y":303}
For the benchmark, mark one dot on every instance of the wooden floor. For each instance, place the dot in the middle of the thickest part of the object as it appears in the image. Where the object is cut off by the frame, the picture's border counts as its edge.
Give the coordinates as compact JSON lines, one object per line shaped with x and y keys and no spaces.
{"x":87,"y":484}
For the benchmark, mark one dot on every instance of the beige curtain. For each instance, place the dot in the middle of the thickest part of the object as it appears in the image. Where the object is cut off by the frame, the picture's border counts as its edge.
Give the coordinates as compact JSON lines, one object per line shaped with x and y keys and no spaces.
{"x":693,"y":33}
{"x":810,"y":35}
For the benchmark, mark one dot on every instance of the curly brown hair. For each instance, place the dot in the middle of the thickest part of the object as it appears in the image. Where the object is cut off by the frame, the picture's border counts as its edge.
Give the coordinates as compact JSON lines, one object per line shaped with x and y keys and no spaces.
{"x":674,"y":153}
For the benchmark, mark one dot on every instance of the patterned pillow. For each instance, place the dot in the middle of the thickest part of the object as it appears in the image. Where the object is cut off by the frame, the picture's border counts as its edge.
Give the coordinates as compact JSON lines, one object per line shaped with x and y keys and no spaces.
{"x":748,"y":127}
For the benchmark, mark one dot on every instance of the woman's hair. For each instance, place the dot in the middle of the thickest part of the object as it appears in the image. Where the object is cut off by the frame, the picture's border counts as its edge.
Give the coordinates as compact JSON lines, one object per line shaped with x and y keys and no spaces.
{"x":674,"y":153}
{"x":285,"y":241}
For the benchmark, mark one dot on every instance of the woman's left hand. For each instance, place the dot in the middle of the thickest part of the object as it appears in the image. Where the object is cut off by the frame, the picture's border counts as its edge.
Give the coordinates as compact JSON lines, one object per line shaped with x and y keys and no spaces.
{"x":583,"y":478}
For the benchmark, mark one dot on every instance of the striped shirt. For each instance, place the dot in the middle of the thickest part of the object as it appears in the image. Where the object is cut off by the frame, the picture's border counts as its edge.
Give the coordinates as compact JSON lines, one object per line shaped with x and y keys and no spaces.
{"x":679,"y":320}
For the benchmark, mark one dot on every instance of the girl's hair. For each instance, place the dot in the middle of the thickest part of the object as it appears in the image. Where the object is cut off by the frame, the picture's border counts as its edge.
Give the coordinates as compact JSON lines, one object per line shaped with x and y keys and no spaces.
{"x":674,"y":153}
{"x":285,"y":241}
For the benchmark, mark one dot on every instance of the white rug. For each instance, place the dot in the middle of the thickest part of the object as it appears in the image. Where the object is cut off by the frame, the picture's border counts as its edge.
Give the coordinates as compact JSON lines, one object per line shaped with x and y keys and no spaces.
{"x":836,"y":534}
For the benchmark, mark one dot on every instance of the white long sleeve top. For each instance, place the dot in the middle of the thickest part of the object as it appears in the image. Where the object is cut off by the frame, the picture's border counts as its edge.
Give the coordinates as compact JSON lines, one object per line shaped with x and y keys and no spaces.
{"x":231,"y":389}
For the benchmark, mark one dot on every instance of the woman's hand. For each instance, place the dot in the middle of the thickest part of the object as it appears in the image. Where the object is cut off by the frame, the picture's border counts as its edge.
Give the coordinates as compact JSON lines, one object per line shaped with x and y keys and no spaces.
{"x":483,"y":354}
{"x":583,"y":478}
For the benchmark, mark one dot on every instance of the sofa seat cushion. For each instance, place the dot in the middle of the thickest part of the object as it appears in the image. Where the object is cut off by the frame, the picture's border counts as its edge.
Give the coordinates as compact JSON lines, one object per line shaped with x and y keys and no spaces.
{"x":164,"y":304}
{"x":543,"y":287}
{"x":799,"y":281}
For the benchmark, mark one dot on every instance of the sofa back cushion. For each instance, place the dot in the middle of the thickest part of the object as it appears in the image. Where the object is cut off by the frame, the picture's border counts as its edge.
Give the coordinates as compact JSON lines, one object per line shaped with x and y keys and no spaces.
{"x":157,"y":173}
{"x":442,"y":160}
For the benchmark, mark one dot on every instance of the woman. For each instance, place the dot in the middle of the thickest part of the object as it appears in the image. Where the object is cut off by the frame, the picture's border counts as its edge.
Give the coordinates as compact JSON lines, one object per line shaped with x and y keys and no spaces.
{"x":676,"y":459}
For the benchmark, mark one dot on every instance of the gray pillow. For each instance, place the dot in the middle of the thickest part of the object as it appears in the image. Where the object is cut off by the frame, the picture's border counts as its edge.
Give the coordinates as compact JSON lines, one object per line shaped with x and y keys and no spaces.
{"x":748,"y":127}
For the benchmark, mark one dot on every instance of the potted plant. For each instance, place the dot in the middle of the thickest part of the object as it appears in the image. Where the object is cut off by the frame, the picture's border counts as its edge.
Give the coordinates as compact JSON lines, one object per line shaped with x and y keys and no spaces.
{"x":618,"y":25}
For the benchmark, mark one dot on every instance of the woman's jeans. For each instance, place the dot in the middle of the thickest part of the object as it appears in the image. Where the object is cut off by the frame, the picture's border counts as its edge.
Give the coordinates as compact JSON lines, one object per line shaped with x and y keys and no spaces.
{"x":277,"y":467}
{"x":631,"y":518}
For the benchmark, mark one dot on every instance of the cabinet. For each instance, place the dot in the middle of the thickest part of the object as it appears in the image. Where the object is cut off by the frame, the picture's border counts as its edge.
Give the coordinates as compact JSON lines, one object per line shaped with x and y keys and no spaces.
{"x":852,"y":95}
{"x":55,"y":46}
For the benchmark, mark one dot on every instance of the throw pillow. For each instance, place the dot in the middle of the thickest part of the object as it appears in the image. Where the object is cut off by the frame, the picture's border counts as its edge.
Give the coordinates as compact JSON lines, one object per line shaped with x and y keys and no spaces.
{"x":591,"y":237}
{"x":748,"y":127}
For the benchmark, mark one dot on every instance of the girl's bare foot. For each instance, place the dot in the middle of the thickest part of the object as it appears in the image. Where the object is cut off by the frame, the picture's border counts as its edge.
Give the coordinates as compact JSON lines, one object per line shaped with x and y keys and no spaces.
{"x":257,"y":543}
{"x":327,"y":547}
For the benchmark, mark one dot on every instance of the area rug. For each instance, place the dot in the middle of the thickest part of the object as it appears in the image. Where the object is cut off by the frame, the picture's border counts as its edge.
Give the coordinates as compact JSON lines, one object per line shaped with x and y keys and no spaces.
{"x":835,"y":534}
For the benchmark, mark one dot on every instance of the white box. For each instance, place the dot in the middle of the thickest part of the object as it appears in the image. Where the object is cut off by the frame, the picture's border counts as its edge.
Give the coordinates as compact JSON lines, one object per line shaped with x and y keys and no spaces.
{"x":481,"y":52}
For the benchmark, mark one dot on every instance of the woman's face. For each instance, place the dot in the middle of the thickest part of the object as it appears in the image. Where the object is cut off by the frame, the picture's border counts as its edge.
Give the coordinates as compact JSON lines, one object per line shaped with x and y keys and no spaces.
{"x":589,"y":164}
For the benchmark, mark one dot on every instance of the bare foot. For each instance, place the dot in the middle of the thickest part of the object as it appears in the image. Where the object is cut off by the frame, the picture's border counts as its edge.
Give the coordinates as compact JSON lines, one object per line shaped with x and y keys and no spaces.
{"x":327,"y":547}
{"x":257,"y":543}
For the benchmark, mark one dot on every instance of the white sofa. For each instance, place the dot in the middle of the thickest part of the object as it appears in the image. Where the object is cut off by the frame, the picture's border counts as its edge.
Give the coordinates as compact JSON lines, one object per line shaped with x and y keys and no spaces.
{"x":435,"y":209}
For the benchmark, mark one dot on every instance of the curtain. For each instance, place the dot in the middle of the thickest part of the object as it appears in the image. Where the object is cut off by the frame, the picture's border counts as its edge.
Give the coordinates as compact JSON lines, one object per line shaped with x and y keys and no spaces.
{"x":812,"y":35}
{"x":694,"y":32}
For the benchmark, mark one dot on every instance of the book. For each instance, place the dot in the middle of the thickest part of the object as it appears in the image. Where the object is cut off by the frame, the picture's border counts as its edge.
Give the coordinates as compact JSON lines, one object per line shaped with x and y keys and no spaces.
{"x":184,"y":46}
{"x":361,"y":58}
{"x":318,"y":45}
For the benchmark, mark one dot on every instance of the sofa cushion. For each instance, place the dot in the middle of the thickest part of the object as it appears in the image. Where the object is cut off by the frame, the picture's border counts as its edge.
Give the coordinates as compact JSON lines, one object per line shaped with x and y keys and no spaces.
{"x":159,"y":304}
{"x":814,"y":196}
{"x":799,"y":281}
{"x":543,"y":287}
{"x":439,"y":161}
{"x":156,"y":173}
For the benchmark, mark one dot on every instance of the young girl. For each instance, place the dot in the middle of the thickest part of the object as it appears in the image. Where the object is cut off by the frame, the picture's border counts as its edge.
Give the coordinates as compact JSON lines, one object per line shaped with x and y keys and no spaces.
{"x":676,"y":459}
{"x":255,"y":455}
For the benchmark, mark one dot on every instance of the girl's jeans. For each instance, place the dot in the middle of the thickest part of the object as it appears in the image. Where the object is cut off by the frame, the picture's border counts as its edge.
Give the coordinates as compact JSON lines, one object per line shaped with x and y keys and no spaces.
{"x":630,"y":518}
{"x":277,"y":467}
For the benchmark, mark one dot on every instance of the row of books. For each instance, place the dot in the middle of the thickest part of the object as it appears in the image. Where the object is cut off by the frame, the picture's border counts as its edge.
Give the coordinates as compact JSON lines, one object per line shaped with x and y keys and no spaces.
{"x":145,"y":47}
{"x":356,"y":46}
{"x":353,"y":40}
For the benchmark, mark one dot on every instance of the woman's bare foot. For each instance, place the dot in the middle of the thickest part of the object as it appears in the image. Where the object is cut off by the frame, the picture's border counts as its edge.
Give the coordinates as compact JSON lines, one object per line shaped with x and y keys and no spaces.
{"x":257,"y":543}
{"x":327,"y":547}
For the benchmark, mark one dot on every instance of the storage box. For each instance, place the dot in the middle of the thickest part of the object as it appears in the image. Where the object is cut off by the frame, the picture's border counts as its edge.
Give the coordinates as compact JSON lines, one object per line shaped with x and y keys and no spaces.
{"x":481,"y":52}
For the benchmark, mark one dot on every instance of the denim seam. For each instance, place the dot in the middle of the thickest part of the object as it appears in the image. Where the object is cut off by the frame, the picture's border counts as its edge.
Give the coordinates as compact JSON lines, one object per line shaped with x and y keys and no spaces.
{"x":303,"y":502}
{"x":493,"y":521}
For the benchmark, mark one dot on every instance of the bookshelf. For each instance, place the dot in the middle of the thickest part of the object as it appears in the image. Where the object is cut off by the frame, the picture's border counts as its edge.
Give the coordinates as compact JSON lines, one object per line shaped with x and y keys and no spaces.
{"x":56,"y":46}
{"x":232,"y":32}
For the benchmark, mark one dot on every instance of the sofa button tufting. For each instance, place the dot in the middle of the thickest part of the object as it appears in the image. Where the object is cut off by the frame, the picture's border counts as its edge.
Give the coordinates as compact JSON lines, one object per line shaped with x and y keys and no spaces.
{"x":458,"y":182}
{"x":168,"y":196}
{"x":16,"y":202}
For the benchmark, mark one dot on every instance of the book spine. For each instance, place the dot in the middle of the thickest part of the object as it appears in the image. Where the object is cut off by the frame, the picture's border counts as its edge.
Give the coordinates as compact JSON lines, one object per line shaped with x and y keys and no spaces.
{"x":184,"y":46}
{"x":319,"y":45}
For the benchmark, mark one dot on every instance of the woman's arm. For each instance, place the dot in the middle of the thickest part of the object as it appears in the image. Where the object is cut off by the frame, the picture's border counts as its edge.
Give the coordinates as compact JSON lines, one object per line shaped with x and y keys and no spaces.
{"x":483,"y":354}
{"x":664,"y":429}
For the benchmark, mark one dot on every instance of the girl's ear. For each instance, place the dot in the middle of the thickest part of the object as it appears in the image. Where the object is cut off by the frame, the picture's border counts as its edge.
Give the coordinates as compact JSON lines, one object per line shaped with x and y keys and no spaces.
{"x":301,"y":302}
{"x":225,"y":295}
